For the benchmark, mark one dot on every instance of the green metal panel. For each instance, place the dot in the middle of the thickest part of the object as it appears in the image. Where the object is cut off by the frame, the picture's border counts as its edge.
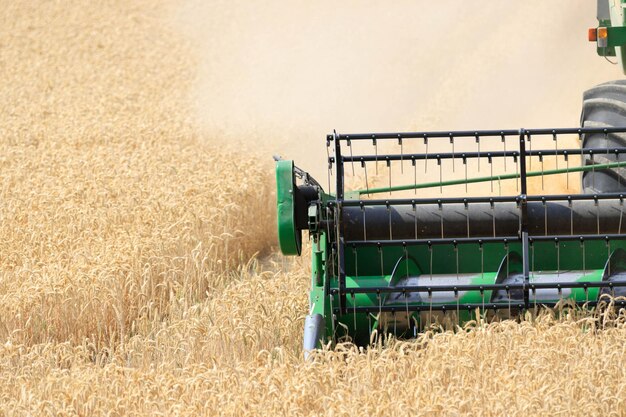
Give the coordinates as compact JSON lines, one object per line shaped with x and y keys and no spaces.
{"x":289,"y":238}
{"x":319,"y":302}
{"x":616,"y":36}
{"x":617,"y":21}
{"x":604,"y":20}
{"x":482,"y":263}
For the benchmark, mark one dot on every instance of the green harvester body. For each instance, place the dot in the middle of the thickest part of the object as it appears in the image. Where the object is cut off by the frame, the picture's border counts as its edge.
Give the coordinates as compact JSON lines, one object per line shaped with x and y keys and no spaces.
{"x":612,"y":17}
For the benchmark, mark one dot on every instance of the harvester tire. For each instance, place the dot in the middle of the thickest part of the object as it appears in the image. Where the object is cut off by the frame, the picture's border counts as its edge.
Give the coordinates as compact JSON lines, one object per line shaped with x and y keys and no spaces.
{"x":604,"y":106}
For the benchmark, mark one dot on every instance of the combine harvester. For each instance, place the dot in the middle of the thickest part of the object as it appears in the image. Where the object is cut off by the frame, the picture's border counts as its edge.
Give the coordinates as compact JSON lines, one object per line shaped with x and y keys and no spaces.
{"x":395,"y":259}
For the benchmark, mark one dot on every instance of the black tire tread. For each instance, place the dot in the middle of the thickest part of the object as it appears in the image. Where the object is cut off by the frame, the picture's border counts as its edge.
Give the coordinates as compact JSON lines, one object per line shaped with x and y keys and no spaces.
{"x":604,"y":106}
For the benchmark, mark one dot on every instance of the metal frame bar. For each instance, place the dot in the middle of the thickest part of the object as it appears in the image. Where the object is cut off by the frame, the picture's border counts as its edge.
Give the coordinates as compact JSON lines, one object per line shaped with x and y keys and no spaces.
{"x":431,"y":242}
{"x":483,"y":287}
{"x":341,"y":274}
{"x":523,"y":206}
{"x":482,"y":154}
{"x":496,"y":199}
{"x":473,"y":306}
{"x":479,"y":133}
{"x":481,"y":240}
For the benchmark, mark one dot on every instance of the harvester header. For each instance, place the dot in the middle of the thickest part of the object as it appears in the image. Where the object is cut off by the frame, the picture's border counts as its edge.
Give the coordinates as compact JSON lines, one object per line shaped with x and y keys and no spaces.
{"x":421,"y":255}
{"x":399,"y":243}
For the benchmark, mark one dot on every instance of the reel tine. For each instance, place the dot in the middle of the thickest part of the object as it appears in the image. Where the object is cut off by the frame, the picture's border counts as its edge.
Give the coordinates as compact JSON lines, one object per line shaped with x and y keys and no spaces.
{"x":465,"y":166}
{"x":389,"y":170}
{"x":414,"y":216}
{"x":608,"y":254}
{"x":401,"y":154}
{"x":542,"y":176}
{"x":504,"y":148}
{"x":508,"y":264}
{"x":558,"y":256}
{"x":406,"y":304}
{"x":414,"y":174}
{"x":478,"y":144}
{"x":351,"y":156}
{"x":458,"y":315}
{"x":466,"y":205}
{"x":566,"y":156}
{"x":621,"y":214}
{"x":515,"y":160}
{"x":430,"y":250}
{"x":545,"y":216}
{"x":430,"y":308}
{"x":556,"y":148}
{"x":490,"y":161}
{"x":440,"y":174}
{"x":406,"y":258}
{"x":580,"y":139}
{"x":389,"y":216}
{"x":597,"y":205}
{"x":493,"y":216}
{"x":364,"y":166}
{"x":571,"y":215}
{"x":364,"y":223}
{"x":482,"y":295}
{"x":593,"y":170}
{"x":375,"y":144}
{"x":426,"y":153}
{"x":530,"y":149}
{"x":440,"y":204}
{"x":452,"y":143}
{"x":508,"y":296}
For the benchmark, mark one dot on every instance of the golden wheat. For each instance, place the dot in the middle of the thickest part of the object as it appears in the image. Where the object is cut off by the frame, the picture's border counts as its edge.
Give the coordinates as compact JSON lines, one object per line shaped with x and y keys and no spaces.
{"x":137,"y":273}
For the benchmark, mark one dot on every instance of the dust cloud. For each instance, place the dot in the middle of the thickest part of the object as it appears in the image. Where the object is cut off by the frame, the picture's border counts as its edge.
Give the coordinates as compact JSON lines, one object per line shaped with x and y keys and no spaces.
{"x":280,"y":75}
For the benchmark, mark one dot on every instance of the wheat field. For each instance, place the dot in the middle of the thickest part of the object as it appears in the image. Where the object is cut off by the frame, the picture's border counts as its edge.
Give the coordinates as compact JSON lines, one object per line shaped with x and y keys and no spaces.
{"x":139,"y":274}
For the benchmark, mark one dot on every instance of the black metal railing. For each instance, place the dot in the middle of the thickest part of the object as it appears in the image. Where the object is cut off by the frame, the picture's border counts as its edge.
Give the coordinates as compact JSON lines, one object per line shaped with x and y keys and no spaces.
{"x":518,"y":154}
